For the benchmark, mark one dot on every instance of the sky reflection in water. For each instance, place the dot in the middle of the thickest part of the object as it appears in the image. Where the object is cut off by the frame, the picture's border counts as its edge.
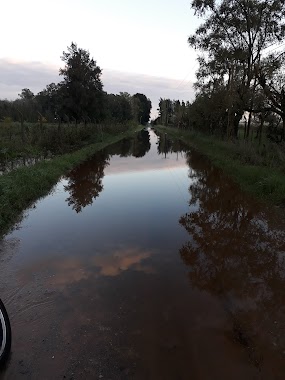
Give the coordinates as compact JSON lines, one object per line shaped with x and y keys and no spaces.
{"x":148,"y":246}
{"x":125,"y":196}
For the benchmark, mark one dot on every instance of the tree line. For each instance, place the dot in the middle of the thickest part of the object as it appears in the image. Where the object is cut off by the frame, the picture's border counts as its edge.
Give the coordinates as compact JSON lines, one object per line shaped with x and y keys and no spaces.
{"x":78,"y":97}
{"x":241,"y":70}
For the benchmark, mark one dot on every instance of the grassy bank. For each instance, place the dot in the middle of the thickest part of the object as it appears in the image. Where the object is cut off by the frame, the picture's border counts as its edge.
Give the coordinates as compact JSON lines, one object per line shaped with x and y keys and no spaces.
{"x":21,"y":187}
{"x":259,"y":170}
{"x":36,"y":141}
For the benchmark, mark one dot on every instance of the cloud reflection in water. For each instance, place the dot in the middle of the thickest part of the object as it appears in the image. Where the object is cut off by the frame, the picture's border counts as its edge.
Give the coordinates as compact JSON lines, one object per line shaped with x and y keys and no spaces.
{"x":66,"y":271}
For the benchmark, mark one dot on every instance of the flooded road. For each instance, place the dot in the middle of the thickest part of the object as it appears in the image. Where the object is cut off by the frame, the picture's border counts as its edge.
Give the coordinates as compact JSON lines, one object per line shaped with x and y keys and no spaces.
{"x":145,"y":262}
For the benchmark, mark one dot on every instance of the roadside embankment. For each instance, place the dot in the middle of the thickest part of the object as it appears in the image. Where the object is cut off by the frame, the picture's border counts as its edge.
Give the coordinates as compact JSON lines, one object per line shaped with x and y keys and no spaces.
{"x":23,"y":186}
{"x":259,"y":170}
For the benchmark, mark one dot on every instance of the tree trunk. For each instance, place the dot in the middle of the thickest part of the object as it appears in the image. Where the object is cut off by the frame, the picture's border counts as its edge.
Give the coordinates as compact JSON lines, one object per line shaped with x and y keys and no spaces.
{"x":251,"y":107}
{"x":237,"y":120}
{"x":245,"y":129}
{"x":248,"y":125}
{"x":260,"y":131}
{"x":283,"y":113}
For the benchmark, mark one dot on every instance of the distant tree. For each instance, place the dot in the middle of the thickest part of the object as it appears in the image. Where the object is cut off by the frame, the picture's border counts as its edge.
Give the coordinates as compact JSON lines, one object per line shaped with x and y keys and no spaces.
{"x":82,"y":86}
{"x":26,"y":94}
{"x":126,"y":105}
{"x":145,"y":107}
{"x":135,"y":107}
{"x":118,"y":107}
{"x":26,"y":106}
{"x":49,"y":101}
{"x":78,"y":97}
{"x":7,"y":109}
{"x":166,"y":109}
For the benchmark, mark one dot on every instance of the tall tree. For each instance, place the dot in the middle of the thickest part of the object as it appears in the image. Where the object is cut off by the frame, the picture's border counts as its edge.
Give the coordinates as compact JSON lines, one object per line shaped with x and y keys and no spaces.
{"x":49,"y":101}
{"x":144,"y":108}
{"x":26,"y":105}
{"x":82,"y":85}
{"x":233,"y":37}
{"x":271,"y":78}
{"x":26,"y":94}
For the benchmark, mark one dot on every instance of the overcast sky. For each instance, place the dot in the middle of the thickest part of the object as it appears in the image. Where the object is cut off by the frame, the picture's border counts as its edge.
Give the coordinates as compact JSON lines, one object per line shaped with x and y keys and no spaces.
{"x":140,"y":45}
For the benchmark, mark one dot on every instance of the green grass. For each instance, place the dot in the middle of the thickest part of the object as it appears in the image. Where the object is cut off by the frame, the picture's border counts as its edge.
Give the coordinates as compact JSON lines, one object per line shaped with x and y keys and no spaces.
{"x":23,"y":186}
{"x":259,"y":170}
{"x":49,"y":139}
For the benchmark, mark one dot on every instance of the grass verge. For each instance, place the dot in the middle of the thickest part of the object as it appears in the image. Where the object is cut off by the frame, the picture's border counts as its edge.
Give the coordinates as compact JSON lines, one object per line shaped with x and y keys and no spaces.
{"x":259,"y":173}
{"x":23,"y":186}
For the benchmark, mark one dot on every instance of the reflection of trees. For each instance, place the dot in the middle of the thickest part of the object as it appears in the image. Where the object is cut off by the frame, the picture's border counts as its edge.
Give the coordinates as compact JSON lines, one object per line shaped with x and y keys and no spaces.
{"x":136,"y":146}
{"x":121,"y":148}
{"x":141,"y":144}
{"x":166,"y":145}
{"x":85,"y":181}
{"x":235,"y":251}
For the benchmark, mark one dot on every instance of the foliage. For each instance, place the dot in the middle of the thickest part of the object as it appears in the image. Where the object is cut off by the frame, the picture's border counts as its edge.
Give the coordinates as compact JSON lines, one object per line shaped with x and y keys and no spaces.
{"x":81,"y":88}
{"x":119,"y":107}
{"x":26,"y":94}
{"x":236,"y":74}
{"x":174,"y":113}
{"x":143,"y":109}
{"x":78,"y":98}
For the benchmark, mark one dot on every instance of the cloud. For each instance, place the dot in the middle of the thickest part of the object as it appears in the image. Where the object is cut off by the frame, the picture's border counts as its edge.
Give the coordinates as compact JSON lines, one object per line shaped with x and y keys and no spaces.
{"x":14,"y":76}
{"x":122,"y":260}
{"x":17,"y":75}
{"x":66,"y":271}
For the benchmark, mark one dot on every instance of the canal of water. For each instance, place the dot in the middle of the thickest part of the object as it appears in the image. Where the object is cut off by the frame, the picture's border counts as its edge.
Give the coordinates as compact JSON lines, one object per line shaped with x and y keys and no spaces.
{"x":145,"y":262}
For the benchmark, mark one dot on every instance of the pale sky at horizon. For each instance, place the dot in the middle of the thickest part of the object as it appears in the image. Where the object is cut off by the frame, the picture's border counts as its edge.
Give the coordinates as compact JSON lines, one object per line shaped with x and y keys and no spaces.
{"x":148,"y":38}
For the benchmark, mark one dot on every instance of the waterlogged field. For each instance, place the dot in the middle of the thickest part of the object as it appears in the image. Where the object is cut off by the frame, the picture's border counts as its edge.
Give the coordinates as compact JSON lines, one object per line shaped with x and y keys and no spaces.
{"x":145,"y":262}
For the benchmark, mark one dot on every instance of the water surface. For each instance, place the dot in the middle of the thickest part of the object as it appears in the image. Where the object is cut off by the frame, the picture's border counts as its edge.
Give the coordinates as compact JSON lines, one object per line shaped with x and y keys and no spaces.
{"x":145,"y":262}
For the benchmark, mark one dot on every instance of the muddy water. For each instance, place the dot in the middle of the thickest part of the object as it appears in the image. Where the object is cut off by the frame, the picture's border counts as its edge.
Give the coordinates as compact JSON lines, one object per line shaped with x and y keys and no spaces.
{"x":145,"y":262}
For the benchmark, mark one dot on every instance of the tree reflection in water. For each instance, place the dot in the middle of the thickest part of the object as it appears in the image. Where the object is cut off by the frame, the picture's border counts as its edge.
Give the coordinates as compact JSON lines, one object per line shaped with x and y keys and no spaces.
{"x":166,"y":145}
{"x":141,"y":144}
{"x":85,"y":181}
{"x":236,"y":252}
{"x":136,"y":146}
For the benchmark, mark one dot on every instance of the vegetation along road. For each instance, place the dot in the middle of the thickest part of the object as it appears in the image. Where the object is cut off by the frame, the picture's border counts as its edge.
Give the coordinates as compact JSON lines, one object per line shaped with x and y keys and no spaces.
{"x":139,"y":248}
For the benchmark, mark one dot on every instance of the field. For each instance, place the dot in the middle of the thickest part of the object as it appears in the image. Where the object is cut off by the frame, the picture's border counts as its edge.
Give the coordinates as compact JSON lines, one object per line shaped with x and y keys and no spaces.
{"x":32,"y":140}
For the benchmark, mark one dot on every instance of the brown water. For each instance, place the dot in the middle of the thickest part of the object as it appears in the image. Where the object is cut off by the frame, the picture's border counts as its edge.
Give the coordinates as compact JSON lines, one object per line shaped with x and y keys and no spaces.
{"x":145,"y":262}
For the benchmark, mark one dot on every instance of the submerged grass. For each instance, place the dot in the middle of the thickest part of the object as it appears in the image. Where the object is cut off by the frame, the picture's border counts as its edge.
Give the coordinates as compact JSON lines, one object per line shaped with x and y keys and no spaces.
{"x":23,"y":186}
{"x":258,"y":170}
